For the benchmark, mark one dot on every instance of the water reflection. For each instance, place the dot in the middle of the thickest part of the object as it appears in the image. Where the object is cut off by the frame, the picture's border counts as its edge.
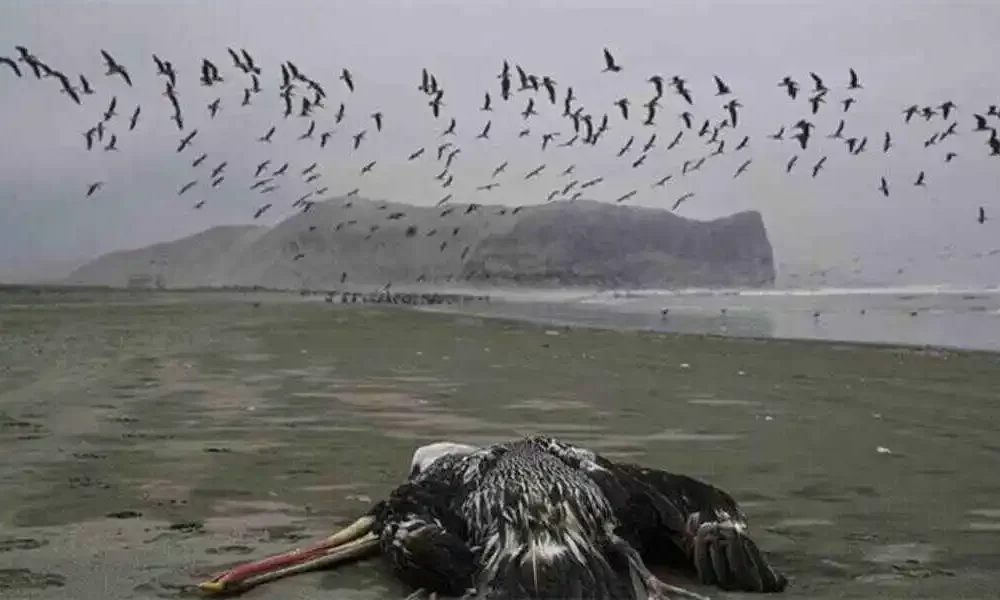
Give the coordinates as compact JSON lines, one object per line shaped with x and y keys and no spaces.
{"x":966,"y":319}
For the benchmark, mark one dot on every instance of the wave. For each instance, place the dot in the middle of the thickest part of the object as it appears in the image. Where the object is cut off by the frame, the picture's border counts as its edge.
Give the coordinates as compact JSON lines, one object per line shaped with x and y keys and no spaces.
{"x":907,"y":290}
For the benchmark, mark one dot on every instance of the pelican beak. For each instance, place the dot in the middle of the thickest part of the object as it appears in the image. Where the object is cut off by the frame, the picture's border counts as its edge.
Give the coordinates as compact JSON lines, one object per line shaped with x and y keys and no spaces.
{"x":351,"y":543}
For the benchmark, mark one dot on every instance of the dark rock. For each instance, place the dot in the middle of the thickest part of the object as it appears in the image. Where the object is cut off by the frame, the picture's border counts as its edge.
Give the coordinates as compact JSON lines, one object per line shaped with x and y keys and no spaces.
{"x":593,"y":243}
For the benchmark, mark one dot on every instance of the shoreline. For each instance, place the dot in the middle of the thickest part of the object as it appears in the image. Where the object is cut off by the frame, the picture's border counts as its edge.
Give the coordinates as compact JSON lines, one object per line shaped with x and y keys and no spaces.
{"x":818,"y":342}
{"x":946,"y":318}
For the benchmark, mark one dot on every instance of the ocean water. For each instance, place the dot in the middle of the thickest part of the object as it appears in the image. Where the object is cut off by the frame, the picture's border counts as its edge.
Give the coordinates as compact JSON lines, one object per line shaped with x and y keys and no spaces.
{"x":944,"y":316}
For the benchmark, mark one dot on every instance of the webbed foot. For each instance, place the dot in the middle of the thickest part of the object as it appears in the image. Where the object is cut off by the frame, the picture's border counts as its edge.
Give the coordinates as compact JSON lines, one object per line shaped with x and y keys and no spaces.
{"x":726,"y":557}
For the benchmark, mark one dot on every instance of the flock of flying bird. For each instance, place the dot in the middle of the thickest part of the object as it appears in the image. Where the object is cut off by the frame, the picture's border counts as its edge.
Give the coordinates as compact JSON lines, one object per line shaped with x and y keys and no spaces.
{"x":304,"y":98}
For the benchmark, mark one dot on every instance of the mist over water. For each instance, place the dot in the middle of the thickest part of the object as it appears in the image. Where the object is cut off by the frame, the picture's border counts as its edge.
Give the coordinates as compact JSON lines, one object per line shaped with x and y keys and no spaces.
{"x":948,"y":316}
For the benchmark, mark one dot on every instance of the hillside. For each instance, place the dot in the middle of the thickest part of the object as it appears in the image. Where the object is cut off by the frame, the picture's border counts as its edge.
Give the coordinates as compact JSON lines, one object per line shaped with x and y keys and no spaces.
{"x":562,"y":243}
{"x":595,"y":243}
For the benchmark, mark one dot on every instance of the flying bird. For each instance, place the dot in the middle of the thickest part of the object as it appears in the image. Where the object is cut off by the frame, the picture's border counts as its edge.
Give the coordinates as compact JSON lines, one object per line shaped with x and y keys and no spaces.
{"x":187,"y":186}
{"x":819,"y":165}
{"x":731,"y":106}
{"x":485,"y":133}
{"x":854,"y":83}
{"x":791,"y":86}
{"x":11,"y":64}
{"x":358,"y":137}
{"x":114,"y":68}
{"x":819,"y":88}
{"x":134,"y":120}
{"x":345,"y":76}
{"x":623,"y":104}
{"x":609,"y":63}
{"x":742,"y":168}
{"x":85,"y":88}
{"x":682,"y":199}
{"x":261,"y":210}
{"x":110,"y":112}
{"x":67,"y":87}
{"x":186,"y":141}
{"x":722,"y":88}
{"x":625,"y":197}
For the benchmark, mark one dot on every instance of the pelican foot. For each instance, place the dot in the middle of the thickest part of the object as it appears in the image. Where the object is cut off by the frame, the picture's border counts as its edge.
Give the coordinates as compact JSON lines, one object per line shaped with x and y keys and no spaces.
{"x":726,"y":557}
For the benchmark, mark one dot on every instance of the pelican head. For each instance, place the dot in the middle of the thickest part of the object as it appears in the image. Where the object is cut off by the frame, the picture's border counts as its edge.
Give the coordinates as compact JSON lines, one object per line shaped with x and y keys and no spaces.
{"x":425,"y":456}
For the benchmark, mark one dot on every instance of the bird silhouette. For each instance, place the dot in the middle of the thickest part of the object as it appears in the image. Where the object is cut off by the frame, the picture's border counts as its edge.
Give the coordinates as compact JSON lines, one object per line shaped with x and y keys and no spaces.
{"x":623,"y":104}
{"x":721,"y":87}
{"x":818,"y":166}
{"x":11,"y":64}
{"x":742,"y":168}
{"x":348,"y":80}
{"x":682,"y":200}
{"x":854,"y":83}
{"x":791,"y":87}
{"x":114,"y":68}
{"x":485,"y":133}
{"x":609,"y":63}
{"x":625,"y":197}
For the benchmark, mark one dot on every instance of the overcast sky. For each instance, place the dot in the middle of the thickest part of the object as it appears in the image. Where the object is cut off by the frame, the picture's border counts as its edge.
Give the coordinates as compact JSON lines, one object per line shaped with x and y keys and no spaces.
{"x":905,"y":52}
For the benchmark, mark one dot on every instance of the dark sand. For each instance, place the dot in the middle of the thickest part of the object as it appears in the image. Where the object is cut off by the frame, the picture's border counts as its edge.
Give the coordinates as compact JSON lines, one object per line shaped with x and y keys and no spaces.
{"x":147,"y":444}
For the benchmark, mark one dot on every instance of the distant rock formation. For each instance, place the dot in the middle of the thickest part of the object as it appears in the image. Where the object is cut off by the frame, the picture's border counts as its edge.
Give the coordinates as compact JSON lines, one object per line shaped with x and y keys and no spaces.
{"x":578,"y":243}
{"x":598,"y":244}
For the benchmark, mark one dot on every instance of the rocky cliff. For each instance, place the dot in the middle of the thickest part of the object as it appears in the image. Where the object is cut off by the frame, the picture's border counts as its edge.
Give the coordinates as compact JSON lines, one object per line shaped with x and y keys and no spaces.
{"x":558,"y":244}
{"x":594,"y":243}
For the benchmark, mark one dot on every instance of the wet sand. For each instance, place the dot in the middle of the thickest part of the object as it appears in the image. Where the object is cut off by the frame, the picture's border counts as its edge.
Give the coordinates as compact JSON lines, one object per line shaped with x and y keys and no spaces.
{"x":148,"y":444}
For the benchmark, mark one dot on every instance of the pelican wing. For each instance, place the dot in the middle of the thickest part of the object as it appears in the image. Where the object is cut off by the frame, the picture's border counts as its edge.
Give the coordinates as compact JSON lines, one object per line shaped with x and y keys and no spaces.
{"x":677,"y":520}
{"x":648,"y":516}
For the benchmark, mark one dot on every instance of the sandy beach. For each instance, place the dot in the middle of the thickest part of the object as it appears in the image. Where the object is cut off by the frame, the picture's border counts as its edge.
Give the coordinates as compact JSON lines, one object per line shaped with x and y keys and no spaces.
{"x":151,"y":440}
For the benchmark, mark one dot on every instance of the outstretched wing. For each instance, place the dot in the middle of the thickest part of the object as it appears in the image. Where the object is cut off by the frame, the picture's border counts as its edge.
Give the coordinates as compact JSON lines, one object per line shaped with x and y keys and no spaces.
{"x":650,"y":521}
{"x":715,"y":540}
{"x":677,"y":520}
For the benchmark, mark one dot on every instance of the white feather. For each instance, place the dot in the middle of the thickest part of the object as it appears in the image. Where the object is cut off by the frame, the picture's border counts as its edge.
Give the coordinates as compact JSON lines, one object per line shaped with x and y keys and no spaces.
{"x":425,"y":456}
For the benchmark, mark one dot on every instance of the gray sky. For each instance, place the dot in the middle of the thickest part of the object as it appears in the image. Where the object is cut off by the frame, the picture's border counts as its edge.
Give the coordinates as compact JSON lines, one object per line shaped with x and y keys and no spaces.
{"x":905,"y":52}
